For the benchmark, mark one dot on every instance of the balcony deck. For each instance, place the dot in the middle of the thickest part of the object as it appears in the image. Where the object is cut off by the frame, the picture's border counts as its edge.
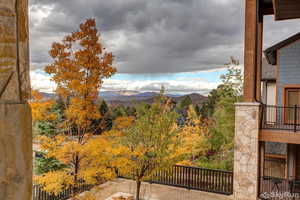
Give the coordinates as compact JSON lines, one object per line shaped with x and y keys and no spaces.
{"x":281,"y":136}
{"x":280,"y":118}
{"x":280,"y":124}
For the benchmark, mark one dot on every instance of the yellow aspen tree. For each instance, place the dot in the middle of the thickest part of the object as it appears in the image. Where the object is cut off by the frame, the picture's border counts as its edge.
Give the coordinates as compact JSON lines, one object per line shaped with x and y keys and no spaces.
{"x":41,"y":108}
{"x":151,"y":142}
{"x":80,"y":63}
{"x":193,"y":135}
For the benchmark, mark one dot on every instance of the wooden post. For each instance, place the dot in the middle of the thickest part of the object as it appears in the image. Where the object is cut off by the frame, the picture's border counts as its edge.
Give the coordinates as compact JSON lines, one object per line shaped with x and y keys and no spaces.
{"x":15,"y":115}
{"x":253,"y":47}
{"x":260,"y":29}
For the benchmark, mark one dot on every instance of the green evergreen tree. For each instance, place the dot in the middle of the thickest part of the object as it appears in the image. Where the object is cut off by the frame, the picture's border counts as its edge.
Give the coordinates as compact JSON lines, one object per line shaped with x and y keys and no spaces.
{"x":105,"y":122}
{"x":220,"y":110}
{"x":43,"y":164}
{"x":185,"y":103}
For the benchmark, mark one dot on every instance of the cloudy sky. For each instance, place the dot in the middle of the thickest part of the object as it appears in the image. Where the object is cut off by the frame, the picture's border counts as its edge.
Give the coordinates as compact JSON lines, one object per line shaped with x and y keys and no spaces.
{"x":181,"y":44}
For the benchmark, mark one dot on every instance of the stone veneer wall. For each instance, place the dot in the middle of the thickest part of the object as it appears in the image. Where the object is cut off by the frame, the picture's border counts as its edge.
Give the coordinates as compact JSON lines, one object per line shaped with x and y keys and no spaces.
{"x":15,"y":152}
{"x":246,"y":152}
{"x":15,"y":115}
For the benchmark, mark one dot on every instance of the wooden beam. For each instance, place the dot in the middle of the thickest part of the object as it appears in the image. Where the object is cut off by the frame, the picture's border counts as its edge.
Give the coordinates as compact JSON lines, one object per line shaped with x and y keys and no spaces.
{"x":275,"y":156}
{"x":253,"y":33}
{"x":260,"y":27}
{"x":286,"y":9}
{"x":279,"y":136}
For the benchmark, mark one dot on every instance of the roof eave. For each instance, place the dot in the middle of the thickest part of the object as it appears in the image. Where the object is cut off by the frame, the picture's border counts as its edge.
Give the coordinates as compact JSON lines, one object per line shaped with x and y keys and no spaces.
{"x":271,"y":53}
{"x":271,"y":56}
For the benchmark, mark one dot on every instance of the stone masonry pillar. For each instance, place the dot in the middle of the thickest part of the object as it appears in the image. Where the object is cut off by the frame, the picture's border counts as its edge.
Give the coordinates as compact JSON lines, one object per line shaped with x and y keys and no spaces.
{"x":15,"y":115}
{"x":246,"y":151}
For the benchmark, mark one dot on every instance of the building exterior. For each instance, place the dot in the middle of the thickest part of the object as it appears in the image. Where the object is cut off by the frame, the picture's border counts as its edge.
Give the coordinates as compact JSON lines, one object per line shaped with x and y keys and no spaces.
{"x":268,"y":83}
{"x":267,"y":135}
{"x":280,"y":112}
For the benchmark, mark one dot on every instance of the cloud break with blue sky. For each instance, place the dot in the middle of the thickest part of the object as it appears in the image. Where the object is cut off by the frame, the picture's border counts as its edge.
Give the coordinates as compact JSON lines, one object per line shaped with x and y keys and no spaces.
{"x":181,"y":44}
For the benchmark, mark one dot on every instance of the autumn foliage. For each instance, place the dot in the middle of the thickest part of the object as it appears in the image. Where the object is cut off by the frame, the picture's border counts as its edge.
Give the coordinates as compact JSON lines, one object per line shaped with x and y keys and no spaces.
{"x":79,"y":66}
{"x":40,"y":108}
{"x":150,"y":138}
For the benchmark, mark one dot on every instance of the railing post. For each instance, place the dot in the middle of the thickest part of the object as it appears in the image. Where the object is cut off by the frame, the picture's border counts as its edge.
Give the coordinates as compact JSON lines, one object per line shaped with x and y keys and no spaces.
{"x":295,"y":118}
{"x":231,"y":184}
{"x":189,"y":178}
{"x":263,"y":116}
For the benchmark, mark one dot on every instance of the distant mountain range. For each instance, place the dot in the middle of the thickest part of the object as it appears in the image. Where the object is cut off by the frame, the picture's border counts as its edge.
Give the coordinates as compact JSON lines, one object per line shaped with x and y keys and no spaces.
{"x":128,"y":98}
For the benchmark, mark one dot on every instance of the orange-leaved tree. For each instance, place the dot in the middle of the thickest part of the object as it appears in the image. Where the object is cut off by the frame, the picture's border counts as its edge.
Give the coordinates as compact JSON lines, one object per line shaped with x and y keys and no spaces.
{"x":41,"y":108}
{"x":79,"y":66}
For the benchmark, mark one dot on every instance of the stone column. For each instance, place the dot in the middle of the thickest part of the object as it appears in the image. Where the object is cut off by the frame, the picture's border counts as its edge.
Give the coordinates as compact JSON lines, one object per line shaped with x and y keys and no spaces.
{"x":246,"y":152}
{"x":15,"y":115}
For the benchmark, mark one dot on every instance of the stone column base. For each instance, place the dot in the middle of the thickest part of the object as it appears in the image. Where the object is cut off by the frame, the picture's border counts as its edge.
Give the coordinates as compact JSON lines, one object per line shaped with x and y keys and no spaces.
{"x":15,"y":152}
{"x":246,"y":151}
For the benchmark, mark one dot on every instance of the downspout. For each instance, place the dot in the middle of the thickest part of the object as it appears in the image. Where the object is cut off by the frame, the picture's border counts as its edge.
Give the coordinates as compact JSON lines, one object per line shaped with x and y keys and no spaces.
{"x":260,"y":159}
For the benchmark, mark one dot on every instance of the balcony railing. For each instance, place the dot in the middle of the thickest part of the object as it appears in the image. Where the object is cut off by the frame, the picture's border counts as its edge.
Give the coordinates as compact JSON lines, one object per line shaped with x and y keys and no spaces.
{"x":39,"y":194}
{"x":281,"y":118}
{"x":195,"y":178}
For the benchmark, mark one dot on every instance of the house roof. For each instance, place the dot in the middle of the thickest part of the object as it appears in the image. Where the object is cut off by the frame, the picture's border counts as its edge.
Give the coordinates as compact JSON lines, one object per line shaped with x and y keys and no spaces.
{"x":281,"y":9}
{"x":268,"y":71}
{"x":271,"y":52}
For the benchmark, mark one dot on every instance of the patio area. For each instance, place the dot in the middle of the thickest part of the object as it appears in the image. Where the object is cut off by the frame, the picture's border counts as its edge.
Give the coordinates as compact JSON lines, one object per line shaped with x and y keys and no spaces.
{"x":151,"y":191}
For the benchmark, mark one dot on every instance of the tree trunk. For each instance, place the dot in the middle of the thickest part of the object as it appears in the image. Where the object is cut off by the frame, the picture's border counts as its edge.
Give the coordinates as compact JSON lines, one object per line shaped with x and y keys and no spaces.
{"x":75,"y":175}
{"x":138,"y":188}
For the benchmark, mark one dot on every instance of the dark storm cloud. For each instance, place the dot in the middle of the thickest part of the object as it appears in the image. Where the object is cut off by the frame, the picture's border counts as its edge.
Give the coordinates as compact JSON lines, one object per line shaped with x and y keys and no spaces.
{"x":152,"y":36}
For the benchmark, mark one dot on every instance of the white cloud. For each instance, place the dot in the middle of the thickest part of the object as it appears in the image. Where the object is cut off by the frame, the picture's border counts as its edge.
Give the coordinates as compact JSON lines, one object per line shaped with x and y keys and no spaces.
{"x":38,"y":13}
{"x":42,"y":82}
{"x":180,"y":86}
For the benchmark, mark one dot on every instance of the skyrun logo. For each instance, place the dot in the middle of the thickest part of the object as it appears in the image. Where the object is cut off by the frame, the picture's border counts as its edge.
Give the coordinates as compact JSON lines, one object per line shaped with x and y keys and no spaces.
{"x":279,"y":195}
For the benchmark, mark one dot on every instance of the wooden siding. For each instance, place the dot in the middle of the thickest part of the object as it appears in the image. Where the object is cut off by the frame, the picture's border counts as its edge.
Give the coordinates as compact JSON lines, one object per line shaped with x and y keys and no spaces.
{"x":288,"y":69}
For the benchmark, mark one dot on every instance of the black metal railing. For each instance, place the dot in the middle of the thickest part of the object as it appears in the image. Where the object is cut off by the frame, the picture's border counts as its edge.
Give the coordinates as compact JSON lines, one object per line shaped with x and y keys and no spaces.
{"x":217,"y":181}
{"x":39,"y":194}
{"x":277,"y":188}
{"x":281,"y":118}
{"x":196,"y":178}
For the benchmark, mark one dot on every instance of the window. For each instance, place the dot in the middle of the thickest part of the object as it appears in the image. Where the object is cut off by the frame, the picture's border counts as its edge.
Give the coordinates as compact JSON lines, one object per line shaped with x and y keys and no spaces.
{"x":292,"y":98}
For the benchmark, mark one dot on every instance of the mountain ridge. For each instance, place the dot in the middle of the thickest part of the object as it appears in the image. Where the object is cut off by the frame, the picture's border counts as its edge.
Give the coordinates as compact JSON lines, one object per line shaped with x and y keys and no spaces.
{"x":116,"y":98}
{"x":149,"y":97}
